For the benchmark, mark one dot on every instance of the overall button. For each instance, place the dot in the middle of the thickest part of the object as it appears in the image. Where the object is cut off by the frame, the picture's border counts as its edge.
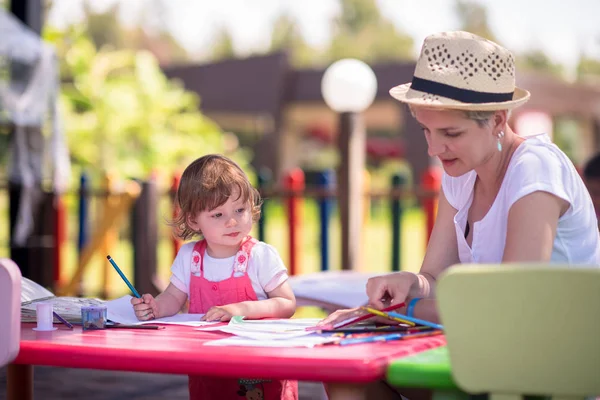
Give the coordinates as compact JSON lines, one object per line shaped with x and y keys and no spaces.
{"x":214,"y":287}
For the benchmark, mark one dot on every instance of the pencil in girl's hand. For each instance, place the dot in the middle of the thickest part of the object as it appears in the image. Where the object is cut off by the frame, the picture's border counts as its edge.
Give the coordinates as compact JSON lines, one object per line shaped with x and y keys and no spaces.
{"x":114,"y":264}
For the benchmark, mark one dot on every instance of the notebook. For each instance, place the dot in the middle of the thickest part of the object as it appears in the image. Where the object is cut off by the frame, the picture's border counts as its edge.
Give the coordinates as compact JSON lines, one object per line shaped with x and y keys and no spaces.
{"x":67,"y":307}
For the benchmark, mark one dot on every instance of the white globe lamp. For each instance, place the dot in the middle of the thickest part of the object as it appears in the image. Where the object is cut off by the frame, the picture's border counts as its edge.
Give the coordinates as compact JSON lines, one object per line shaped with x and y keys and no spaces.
{"x":349,"y":85}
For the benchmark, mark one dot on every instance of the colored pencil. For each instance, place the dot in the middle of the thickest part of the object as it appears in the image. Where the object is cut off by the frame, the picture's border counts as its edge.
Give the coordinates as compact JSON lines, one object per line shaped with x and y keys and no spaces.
{"x":387,"y":338}
{"x":377,"y":329}
{"x":352,"y":320}
{"x":415,"y":320}
{"x":114,"y":264}
{"x":388,"y":315}
{"x":122,"y":326}
{"x":61,"y":319}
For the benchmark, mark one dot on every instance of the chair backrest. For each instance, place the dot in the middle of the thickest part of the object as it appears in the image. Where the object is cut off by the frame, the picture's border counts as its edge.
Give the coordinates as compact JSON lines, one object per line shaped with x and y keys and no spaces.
{"x":516,"y":329}
{"x":10,"y":310}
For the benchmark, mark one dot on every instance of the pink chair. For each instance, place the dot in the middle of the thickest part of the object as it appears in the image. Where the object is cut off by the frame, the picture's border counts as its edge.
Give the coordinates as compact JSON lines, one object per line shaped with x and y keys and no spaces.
{"x":10,"y":310}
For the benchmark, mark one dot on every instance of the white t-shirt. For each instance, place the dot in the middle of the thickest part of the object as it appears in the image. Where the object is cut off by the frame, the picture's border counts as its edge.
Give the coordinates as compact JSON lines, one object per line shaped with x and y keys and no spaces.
{"x":536,"y":165}
{"x":265,"y":268}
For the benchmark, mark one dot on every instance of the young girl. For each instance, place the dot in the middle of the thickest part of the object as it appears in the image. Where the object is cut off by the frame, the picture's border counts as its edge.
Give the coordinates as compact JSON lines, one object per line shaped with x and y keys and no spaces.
{"x":227,"y":272}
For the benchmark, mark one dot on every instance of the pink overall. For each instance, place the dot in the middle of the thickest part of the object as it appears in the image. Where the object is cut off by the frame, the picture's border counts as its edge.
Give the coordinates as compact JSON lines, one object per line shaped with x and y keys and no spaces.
{"x":205,"y":294}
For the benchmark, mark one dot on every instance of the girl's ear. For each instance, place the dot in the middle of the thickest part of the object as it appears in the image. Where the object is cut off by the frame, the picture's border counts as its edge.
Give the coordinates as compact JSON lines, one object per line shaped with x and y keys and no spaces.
{"x":192,"y":222}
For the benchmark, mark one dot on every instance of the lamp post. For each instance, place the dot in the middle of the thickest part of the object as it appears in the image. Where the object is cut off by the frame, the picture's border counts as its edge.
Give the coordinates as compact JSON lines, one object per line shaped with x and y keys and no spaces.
{"x":349,"y":87}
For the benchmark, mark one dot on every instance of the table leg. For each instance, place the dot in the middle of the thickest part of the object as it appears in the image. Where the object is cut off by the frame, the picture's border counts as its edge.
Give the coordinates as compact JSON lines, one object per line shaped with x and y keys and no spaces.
{"x":19,"y":382}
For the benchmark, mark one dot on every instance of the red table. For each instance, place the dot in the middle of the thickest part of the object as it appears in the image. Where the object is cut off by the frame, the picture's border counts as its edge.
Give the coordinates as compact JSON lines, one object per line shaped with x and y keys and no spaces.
{"x":179,"y":350}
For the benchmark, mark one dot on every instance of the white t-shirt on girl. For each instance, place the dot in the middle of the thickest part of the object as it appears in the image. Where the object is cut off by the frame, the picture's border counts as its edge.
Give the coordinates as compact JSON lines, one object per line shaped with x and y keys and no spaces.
{"x":265,"y":268}
{"x":536,"y":165}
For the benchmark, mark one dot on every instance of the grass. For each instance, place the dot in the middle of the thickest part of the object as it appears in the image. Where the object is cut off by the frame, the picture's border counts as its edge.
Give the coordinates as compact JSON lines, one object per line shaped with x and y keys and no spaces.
{"x":376,"y":244}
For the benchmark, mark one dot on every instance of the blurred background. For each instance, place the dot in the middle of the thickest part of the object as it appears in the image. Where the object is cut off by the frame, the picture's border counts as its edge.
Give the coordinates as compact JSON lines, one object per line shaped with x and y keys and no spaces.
{"x":104,"y":102}
{"x":135,"y":90}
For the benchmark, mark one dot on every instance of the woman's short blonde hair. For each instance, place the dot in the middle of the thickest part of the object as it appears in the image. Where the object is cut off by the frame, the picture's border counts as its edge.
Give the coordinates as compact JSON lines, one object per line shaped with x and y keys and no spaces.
{"x":481,"y":117}
{"x":208,"y":183}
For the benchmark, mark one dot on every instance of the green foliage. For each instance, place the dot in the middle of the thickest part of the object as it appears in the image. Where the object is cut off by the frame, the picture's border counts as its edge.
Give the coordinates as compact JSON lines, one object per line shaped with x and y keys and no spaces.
{"x":286,"y":36}
{"x":121,"y":112}
{"x":537,"y":60}
{"x":105,"y":30}
{"x":361,"y":32}
{"x":588,"y":70}
{"x":473,"y":18}
{"x":222,"y":48}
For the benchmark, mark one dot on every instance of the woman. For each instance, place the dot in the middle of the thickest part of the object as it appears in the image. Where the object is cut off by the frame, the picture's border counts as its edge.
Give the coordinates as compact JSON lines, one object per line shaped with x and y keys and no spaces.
{"x":504,"y":198}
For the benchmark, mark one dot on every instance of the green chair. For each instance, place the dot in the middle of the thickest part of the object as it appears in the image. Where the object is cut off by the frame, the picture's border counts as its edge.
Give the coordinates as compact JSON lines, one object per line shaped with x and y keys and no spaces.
{"x":523,"y":329}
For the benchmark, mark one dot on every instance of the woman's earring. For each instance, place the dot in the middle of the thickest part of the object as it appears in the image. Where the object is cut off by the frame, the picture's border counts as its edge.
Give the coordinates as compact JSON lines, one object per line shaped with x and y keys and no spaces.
{"x":500,"y":136}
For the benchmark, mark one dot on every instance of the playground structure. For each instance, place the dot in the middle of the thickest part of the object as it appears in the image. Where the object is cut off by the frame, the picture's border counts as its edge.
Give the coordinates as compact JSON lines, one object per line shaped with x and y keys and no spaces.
{"x":130,"y":211}
{"x":281,"y":108}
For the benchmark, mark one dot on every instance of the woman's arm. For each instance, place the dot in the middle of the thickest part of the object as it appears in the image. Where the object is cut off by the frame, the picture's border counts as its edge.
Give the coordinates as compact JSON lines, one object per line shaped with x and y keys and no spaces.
{"x":531,"y":228}
{"x":442,"y":251}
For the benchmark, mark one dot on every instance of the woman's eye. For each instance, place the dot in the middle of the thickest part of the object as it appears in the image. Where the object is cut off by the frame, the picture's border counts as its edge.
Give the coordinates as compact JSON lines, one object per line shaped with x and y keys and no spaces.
{"x":453,"y":135}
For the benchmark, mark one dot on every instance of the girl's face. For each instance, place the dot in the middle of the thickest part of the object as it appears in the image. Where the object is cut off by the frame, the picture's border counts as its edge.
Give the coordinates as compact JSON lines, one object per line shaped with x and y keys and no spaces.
{"x":224,"y":227}
{"x":461,"y":144}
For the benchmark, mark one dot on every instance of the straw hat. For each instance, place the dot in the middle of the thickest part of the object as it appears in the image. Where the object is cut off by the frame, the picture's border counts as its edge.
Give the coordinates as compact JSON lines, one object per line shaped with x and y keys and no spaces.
{"x":463,"y":71}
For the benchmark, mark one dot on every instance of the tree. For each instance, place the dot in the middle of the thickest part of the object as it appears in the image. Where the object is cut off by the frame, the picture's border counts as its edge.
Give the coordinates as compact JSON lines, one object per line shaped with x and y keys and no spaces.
{"x":222,"y":47}
{"x":588,"y":70}
{"x":122,"y":113}
{"x":473,"y":18}
{"x":361,"y":32}
{"x":537,"y":60}
{"x":286,"y":36}
{"x":104,"y":29}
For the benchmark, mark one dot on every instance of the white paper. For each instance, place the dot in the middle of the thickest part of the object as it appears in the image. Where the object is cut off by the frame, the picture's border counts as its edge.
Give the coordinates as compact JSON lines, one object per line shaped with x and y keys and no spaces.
{"x":305,"y":341}
{"x":121,"y":311}
{"x":346,"y":289}
{"x":278,"y":329}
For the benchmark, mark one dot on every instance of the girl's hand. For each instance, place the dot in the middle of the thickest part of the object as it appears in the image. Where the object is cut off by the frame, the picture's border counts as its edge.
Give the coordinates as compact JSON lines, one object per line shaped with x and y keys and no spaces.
{"x":145,"y":308}
{"x":218,"y":313}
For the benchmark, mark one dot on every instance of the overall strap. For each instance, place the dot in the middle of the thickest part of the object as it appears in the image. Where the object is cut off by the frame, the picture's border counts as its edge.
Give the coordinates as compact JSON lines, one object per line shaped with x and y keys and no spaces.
{"x":197,"y":256}
{"x":240,"y":263}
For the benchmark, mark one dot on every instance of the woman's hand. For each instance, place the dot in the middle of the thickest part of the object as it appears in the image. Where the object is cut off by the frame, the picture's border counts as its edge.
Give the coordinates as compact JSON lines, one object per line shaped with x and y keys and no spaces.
{"x":394,"y":288}
{"x":145,"y":308}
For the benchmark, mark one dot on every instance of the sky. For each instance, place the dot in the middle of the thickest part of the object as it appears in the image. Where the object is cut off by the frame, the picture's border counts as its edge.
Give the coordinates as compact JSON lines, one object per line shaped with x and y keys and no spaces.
{"x":562,"y":29}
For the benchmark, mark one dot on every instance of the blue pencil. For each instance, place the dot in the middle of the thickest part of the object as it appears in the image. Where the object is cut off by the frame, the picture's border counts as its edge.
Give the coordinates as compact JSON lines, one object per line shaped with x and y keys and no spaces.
{"x":114,"y":264}
{"x":388,"y":337}
{"x":415,"y":320}
{"x":369,"y":339}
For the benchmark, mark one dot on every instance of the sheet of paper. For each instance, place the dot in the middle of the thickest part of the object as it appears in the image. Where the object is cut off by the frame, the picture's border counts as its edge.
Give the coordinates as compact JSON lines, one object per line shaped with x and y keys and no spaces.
{"x":344,"y":288}
{"x":305,"y":341}
{"x":121,"y":311}
{"x":267,"y":329}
